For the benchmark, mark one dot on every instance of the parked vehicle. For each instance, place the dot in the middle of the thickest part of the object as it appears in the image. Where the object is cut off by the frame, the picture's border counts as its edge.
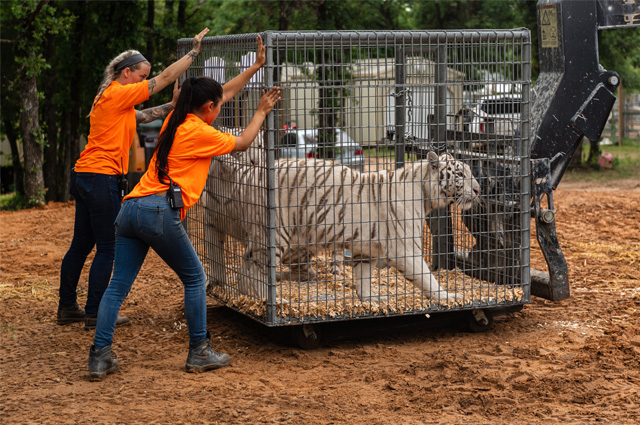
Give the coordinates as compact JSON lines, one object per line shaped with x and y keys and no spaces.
{"x":299,"y":143}
{"x":496,"y":114}
{"x":149,"y":134}
{"x":144,"y":143}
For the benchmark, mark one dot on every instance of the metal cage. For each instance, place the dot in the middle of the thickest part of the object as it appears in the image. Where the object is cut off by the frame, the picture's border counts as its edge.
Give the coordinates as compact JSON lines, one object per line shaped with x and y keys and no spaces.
{"x":283,"y":230}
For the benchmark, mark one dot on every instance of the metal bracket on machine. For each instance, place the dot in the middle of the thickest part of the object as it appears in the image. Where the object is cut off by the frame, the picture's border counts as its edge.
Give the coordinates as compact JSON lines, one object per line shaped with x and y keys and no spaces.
{"x":553,"y":286}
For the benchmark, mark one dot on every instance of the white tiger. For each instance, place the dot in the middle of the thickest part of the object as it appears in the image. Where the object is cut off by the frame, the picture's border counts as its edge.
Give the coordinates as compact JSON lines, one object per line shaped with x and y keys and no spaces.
{"x":230,"y":199}
{"x":380,"y":215}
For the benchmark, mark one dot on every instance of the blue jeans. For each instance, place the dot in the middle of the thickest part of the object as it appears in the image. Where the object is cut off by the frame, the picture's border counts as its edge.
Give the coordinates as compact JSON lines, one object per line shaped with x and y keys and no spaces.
{"x":150,"y":222}
{"x":97,"y":205}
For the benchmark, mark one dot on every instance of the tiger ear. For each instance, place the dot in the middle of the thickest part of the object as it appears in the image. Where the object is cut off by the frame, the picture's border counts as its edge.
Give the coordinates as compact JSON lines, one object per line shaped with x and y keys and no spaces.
{"x":432,"y":157}
{"x":446,"y":156}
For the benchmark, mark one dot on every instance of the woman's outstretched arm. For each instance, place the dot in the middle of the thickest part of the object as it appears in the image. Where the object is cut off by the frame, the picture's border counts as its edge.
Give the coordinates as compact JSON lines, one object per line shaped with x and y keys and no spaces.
{"x":173,"y":71}
{"x":234,"y":86}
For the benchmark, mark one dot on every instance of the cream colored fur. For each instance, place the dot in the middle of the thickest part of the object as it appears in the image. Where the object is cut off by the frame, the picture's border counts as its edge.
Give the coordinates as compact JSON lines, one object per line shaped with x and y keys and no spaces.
{"x":322,"y":205}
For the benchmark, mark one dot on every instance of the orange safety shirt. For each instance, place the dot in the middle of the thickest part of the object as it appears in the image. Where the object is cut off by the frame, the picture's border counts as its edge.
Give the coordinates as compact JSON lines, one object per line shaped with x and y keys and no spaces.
{"x":194,"y":144}
{"x":113,"y":126}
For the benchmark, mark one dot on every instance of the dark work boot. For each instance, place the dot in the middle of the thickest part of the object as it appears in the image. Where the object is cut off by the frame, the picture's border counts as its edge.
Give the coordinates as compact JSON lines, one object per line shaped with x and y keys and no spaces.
{"x":68,"y":315}
{"x":90,"y":322}
{"x":202,"y":357}
{"x":101,"y":363}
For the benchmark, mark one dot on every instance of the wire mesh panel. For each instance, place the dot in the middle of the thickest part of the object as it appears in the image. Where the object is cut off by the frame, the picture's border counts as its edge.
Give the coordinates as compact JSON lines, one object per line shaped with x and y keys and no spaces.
{"x":392,"y":178}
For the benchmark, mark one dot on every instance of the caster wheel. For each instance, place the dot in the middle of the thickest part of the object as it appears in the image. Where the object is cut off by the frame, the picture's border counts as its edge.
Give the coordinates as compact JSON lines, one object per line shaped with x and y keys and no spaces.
{"x":307,"y":336}
{"x":480,"y":321}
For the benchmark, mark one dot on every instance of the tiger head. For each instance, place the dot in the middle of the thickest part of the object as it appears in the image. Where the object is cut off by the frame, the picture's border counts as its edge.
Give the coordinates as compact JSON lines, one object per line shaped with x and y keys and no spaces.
{"x":252,"y":156}
{"x":455,"y":181}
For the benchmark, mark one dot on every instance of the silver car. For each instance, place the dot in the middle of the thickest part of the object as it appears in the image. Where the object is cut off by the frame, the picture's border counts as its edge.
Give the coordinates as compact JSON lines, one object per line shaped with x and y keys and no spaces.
{"x":298,"y":143}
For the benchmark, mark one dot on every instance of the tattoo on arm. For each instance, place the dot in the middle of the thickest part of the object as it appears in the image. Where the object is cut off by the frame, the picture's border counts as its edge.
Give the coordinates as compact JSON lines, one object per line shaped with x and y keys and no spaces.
{"x":152,"y":86}
{"x":151,"y":114}
{"x":192,"y":54}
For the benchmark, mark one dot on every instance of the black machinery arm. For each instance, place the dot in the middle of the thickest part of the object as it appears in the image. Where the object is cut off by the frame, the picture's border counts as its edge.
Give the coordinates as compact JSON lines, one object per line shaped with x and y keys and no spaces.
{"x":618,"y":13}
{"x":572,"y":98}
{"x":573,"y":95}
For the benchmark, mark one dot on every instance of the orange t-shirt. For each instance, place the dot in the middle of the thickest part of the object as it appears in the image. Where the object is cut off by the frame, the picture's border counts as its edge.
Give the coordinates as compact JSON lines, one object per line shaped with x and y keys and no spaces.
{"x":113,"y":126}
{"x":194,"y":144}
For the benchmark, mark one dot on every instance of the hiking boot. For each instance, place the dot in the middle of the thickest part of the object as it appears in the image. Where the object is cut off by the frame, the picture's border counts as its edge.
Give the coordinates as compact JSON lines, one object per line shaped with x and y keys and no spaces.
{"x":202,"y":357}
{"x":90,"y":322}
{"x":68,"y":315}
{"x":101,"y":362}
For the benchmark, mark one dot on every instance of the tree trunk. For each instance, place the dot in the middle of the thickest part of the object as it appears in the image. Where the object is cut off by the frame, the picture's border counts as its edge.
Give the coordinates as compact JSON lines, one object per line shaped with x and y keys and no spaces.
{"x":168,"y":22}
{"x":72,"y":150}
{"x":65,"y":161}
{"x":594,"y":154}
{"x":285,"y":11}
{"x":151,"y":17}
{"x":576,"y":161}
{"x":18,"y":173}
{"x":182,"y":20}
{"x":621,"y":123}
{"x":51,"y":157}
{"x":30,"y":128}
{"x":71,"y":122}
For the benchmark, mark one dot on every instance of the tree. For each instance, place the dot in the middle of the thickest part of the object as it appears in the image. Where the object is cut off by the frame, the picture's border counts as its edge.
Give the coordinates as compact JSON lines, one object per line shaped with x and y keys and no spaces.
{"x":11,"y":111}
{"x":53,"y":57}
{"x":56,"y":46}
{"x":619,"y":51}
{"x":31,"y":23}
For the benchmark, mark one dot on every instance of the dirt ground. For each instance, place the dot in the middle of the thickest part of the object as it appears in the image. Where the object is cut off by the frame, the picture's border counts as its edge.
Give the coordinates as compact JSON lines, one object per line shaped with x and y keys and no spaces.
{"x":570,"y":362}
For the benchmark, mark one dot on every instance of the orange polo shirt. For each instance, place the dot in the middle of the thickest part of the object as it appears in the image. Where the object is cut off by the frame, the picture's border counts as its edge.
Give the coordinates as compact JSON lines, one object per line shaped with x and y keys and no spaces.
{"x":113,"y":125}
{"x":194,"y":144}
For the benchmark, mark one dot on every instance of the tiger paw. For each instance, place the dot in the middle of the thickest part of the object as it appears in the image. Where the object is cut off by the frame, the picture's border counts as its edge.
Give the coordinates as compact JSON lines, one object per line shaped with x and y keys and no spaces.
{"x":379,"y":299}
{"x":336,"y":270}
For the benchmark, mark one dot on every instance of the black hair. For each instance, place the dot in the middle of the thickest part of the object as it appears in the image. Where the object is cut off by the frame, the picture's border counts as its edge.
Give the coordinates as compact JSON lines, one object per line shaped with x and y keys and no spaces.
{"x":196,"y":91}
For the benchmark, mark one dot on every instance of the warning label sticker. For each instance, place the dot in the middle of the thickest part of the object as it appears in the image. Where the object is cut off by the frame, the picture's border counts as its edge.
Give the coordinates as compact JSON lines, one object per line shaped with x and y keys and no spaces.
{"x":549,"y":26}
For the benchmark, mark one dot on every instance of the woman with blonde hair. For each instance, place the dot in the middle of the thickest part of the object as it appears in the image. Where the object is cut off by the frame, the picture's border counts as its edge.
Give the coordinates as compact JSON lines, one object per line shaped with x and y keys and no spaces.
{"x":97,"y":181}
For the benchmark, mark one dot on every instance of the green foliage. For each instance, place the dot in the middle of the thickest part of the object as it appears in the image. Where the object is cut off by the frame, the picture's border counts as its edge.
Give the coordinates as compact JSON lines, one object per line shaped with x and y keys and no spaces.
{"x":68,"y":43}
{"x":625,"y":165}
{"x":247,"y":16}
{"x":32,"y":22}
{"x":38,"y":198}
{"x":469,"y":14}
{"x":620,"y":51}
{"x":12,"y":201}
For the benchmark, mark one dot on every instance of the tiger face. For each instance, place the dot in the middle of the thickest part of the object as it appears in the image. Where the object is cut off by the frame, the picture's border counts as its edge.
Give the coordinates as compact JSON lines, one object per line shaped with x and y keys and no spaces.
{"x":455,"y":181}
{"x":254,"y":155}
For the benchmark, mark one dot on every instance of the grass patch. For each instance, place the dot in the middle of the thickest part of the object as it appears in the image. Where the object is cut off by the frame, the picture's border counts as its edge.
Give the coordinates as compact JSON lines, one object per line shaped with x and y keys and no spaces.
{"x":379,"y":151}
{"x":387,"y":152}
{"x":12,"y":201}
{"x":625,"y":165}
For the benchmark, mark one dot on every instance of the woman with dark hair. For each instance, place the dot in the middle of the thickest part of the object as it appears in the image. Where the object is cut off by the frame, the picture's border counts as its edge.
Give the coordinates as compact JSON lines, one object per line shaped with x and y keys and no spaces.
{"x":103,"y":163}
{"x":151,"y":217}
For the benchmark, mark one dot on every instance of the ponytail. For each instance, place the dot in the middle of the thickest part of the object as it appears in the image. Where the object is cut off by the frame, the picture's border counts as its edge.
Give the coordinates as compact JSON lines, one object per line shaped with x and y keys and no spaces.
{"x":111,"y":74}
{"x":195,"y":92}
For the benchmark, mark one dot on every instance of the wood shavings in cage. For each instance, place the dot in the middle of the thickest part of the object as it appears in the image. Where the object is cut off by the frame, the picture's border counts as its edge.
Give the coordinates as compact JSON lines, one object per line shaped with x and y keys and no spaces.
{"x":334,"y":296}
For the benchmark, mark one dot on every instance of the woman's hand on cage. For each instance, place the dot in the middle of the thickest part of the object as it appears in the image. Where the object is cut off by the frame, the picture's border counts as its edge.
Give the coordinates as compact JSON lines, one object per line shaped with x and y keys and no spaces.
{"x":197,"y":40}
{"x":269,"y":99}
{"x":261,"y":55}
{"x":176,"y":93}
